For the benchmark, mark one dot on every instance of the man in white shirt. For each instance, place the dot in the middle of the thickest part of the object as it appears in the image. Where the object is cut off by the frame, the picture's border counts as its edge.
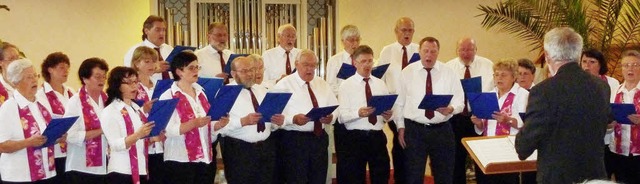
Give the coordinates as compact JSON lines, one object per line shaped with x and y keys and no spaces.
{"x":304,"y":142}
{"x":215,"y":56}
{"x":398,"y":55}
{"x":467,"y":65}
{"x":248,"y":153}
{"x":427,"y":133}
{"x":154,"y":30}
{"x":279,"y":60}
{"x":366,"y":142}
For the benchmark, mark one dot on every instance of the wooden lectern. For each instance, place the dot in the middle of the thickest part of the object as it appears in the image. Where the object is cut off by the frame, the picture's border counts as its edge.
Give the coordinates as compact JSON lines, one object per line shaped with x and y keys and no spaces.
{"x":497,"y":155}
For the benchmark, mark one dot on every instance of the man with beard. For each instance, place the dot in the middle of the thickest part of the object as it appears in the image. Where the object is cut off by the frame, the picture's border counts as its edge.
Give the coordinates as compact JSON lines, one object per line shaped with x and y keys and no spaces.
{"x":279,"y":60}
{"x":154,"y":30}
{"x":215,"y":56}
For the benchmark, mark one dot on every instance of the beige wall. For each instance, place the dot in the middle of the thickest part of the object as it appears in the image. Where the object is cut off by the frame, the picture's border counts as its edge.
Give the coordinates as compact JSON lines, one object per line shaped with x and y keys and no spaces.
{"x":79,"y":28}
{"x":446,"y":20}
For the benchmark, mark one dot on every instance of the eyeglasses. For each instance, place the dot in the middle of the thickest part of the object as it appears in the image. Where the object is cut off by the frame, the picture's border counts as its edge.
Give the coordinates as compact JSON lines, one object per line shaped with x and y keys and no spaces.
{"x":630,"y":65}
{"x":129,"y":81}
{"x":194,"y":68}
{"x":33,"y":76}
{"x":246,"y":70}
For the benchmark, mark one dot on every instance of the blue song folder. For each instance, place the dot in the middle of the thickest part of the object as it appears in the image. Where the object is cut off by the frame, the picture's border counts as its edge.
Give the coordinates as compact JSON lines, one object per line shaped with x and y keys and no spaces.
{"x":382,"y":103}
{"x":320,"y":112}
{"x":415,"y":57}
{"x":621,"y":111}
{"x":161,"y":87}
{"x":224,"y":100}
{"x":227,"y":67}
{"x":272,"y":104}
{"x":433,"y":102}
{"x":472,"y":85}
{"x":139,"y":102}
{"x":483,"y":105}
{"x":160,"y":114}
{"x":522,"y":115}
{"x":210,"y":86}
{"x":347,"y":70}
{"x":177,"y":49}
{"x":56,"y":128}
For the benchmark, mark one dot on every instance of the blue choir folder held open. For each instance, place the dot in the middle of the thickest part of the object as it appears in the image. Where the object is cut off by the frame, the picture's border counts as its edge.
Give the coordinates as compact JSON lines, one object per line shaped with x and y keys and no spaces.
{"x":317,"y":113}
{"x":56,"y":128}
{"x":382,"y":103}
{"x":227,"y":67}
{"x":621,"y":111}
{"x":160,"y":114}
{"x":224,"y":100}
{"x":211,"y":86}
{"x":433,"y":102}
{"x":483,"y":105}
{"x":472,"y":85}
{"x":347,"y":70}
{"x":272,"y":104}
{"x":161,"y":87}
{"x":415,"y":57}
{"x":522,"y":115}
{"x":177,"y":49}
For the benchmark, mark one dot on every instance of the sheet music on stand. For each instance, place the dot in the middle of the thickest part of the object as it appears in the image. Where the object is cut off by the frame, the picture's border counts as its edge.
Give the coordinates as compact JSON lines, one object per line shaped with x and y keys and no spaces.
{"x":497,"y":155}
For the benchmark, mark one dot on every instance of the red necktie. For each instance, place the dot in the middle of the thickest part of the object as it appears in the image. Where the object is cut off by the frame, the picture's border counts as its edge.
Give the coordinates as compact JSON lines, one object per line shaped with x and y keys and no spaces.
{"x":222,"y":63}
{"x":367,"y":91}
{"x":428,"y":113}
{"x":165,"y":74}
{"x":405,"y":59}
{"x":467,"y":74}
{"x":261,"y":126}
{"x":317,"y":126}
{"x":288,"y":64}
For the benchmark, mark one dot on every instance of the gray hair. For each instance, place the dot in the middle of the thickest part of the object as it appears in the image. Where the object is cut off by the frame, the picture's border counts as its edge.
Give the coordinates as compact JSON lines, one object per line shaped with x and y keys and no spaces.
{"x":598,"y":182}
{"x":349,"y":31}
{"x":256,"y":58}
{"x":630,"y":53}
{"x":286,"y":26}
{"x":14,"y":70}
{"x":304,"y":52}
{"x":563,"y":44}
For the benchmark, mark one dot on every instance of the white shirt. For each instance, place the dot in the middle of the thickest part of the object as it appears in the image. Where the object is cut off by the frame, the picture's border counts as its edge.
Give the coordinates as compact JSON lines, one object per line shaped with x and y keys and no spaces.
{"x":518,"y":106}
{"x":614,"y":84}
{"x":241,"y":108}
{"x":7,"y":87}
{"x":300,"y":102}
{"x":352,"y":97}
{"x":412,"y":90}
{"x":209,"y":59}
{"x":14,"y":167}
{"x":627,"y":98}
{"x":115,"y":129}
{"x":175,"y":148}
{"x":165,"y":50}
{"x":333,"y":67}
{"x":275,"y":63}
{"x":41,"y":96}
{"x":479,"y":67}
{"x":157,"y":146}
{"x":392,"y":53}
{"x":76,"y":150}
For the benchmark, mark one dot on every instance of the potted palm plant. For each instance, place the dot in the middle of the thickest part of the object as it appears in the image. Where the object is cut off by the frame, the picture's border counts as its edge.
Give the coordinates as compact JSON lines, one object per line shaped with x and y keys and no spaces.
{"x":610,"y":26}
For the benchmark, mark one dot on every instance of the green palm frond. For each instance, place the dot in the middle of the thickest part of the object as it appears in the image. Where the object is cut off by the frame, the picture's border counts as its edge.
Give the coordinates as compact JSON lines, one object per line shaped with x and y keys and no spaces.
{"x":514,"y":19}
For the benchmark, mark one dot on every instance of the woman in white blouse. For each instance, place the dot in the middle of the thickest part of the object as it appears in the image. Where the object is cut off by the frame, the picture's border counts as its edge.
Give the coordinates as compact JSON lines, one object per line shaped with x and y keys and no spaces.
{"x":125,"y":126}
{"x":8,"y":53}
{"x":512,"y":100}
{"x":86,"y":145}
{"x":190,"y":132}
{"x":23,"y":122}
{"x":53,"y":95}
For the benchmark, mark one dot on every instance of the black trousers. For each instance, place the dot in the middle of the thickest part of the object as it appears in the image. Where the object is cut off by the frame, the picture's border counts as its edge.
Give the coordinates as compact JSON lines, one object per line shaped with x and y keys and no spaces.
{"x":397,"y":156}
{"x":46,"y":181}
{"x":365,"y":147}
{"x":306,"y":157}
{"x":249,"y":162}
{"x":189,"y":172}
{"x":462,"y":127}
{"x":119,"y":178}
{"x":435,"y":142}
{"x":157,"y":170}
{"x":339,"y":139}
{"x":627,"y":168}
{"x":508,"y":178}
{"x":60,"y":170}
{"x":75,"y":177}
{"x":608,"y":161}
{"x":213,"y":166}
{"x":278,"y":173}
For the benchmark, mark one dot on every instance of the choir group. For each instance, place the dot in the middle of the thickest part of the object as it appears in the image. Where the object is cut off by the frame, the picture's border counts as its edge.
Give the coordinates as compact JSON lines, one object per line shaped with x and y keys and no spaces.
{"x":110,"y":141}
